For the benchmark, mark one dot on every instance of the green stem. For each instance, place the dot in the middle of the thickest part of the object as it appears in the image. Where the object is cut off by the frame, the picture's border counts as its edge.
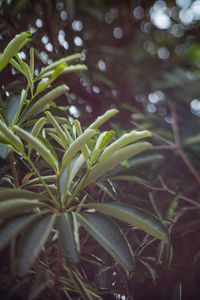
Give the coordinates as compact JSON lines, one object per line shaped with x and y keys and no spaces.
{"x":59,"y":199}
{"x":42,"y":181}
{"x":13,"y":168}
{"x":78,"y":188}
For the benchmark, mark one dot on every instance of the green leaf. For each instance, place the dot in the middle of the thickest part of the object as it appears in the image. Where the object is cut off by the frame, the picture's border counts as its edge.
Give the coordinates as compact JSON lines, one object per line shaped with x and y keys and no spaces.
{"x":42,"y":102}
{"x":101,"y":142}
{"x":12,"y":227}
{"x":64,"y":225}
{"x":58,"y":128}
{"x":39,"y":147}
{"x":102,"y":119}
{"x":12,"y":105}
{"x":17,"y":206}
{"x":130,"y":178}
{"x":66,"y":59}
{"x":67,"y":176}
{"x":4,"y":151}
{"x":27,"y":73}
{"x":9,"y":194}
{"x":16,"y":65}
{"x":32,"y":61}
{"x":48,"y":146}
{"x":116,"y":158}
{"x":32,"y":242}
{"x":108,"y":234}
{"x":77,"y":145}
{"x":124,"y":140}
{"x":134,"y":216}
{"x":12,"y":48}
{"x":13,"y":139}
{"x":85,"y":150}
{"x":38,"y":126}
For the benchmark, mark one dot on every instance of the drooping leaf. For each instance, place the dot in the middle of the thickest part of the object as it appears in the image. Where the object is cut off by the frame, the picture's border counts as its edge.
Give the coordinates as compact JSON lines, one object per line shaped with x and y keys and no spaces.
{"x":32,"y":241}
{"x":12,"y":227}
{"x":17,"y":206}
{"x":64,"y":224}
{"x":116,"y":158}
{"x":9,"y":194}
{"x":106,"y":232}
{"x":134,"y":216}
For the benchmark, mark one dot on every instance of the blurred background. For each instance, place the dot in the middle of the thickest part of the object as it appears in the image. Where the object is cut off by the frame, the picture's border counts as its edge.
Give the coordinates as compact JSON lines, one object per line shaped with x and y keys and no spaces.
{"x":143,"y":57}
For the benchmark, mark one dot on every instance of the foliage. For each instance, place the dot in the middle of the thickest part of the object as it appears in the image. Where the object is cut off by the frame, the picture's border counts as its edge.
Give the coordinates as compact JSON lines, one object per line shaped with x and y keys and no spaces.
{"x":143,"y":59}
{"x":50,"y":208}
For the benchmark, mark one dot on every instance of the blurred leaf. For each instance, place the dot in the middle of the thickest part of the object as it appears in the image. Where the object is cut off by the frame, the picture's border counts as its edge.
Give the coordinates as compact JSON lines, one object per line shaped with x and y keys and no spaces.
{"x":12,"y":227}
{"x":17,"y":206}
{"x":32,"y":242}
{"x":12,"y":48}
{"x":12,"y":138}
{"x":12,"y":105}
{"x":10,"y":194}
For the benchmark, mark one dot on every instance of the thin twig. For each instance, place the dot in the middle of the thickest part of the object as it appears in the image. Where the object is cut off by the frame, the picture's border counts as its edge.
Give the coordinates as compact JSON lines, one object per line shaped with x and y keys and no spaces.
{"x":175,"y":125}
{"x":153,"y":134}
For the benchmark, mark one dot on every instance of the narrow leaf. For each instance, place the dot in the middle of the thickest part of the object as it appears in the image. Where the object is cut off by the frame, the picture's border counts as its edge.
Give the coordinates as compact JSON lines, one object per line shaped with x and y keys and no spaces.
{"x":32,"y":242}
{"x":38,"y":146}
{"x":64,"y":224}
{"x":9,"y":194}
{"x":17,"y":206}
{"x":58,"y":128}
{"x":108,"y":234}
{"x":116,"y":158}
{"x":12,"y":48}
{"x":12,"y":105}
{"x":42,"y":102}
{"x":77,"y":145}
{"x":12,"y":227}
{"x":102,"y":119}
{"x":124,"y":140}
{"x":14,"y":140}
{"x":135,"y":216}
{"x":66,"y":59}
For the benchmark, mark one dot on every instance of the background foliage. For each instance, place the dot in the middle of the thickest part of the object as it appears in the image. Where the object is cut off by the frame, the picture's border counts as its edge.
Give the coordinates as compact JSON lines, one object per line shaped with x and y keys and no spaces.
{"x":143,"y":58}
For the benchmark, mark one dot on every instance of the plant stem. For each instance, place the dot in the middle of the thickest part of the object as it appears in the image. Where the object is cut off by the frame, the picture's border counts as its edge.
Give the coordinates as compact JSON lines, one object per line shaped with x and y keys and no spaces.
{"x":42,"y":181}
{"x":59,"y":200}
{"x":78,"y":188}
{"x":58,"y":268}
{"x":13,"y":168}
